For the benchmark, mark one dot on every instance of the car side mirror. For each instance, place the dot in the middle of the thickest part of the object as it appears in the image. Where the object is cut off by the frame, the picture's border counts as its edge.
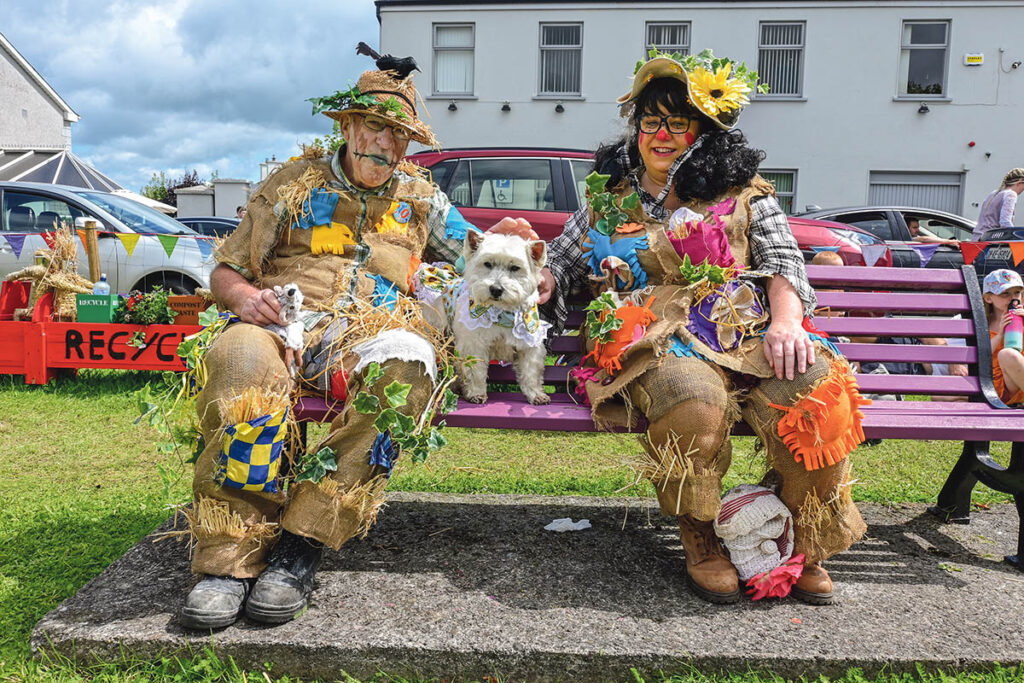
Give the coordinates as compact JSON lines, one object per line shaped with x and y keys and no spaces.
{"x":80,"y":222}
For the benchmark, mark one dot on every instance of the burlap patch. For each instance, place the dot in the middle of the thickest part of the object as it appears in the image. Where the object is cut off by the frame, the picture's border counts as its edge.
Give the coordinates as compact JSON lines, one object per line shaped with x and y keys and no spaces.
{"x":333,"y":515}
{"x":224,"y":544}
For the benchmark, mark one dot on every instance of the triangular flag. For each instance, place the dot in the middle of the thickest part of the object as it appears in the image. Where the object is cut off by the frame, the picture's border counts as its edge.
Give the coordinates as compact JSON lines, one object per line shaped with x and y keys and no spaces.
{"x":17,"y":243}
{"x":205,"y":247}
{"x":924,"y":252}
{"x":872,"y":253}
{"x":970,"y":250}
{"x":1017,"y":249}
{"x":81,"y":236}
{"x":129,"y":240}
{"x":168,"y":242}
{"x":818,"y":250}
{"x":49,"y":238}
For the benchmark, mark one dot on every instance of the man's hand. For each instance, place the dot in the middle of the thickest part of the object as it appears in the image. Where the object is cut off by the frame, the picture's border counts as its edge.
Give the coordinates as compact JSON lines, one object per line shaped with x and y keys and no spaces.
{"x":787,"y":348}
{"x":519,"y":227}
{"x":261,"y":308}
{"x":546,"y":287}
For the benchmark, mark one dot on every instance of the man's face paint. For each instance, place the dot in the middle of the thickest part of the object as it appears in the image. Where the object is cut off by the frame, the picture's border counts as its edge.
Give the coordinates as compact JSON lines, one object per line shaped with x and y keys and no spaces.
{"x":370,"y":156}
{"x":660,"y":150}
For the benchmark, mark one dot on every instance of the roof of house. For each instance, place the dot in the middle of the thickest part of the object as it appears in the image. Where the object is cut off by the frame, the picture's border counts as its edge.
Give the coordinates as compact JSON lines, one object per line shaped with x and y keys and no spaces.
{"x":6,"y":46}
{"x":54,"y":167}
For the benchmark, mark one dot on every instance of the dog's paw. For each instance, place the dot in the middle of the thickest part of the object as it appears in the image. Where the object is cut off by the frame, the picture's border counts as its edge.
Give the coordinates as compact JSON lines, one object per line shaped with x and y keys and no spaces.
{"x":475,"y":398}
{"x":541,"y":400}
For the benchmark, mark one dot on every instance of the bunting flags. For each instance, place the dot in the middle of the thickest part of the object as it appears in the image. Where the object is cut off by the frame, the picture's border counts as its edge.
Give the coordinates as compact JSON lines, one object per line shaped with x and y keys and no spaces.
{"x":872,"y":253}
{"x":924,"y":252}
{"x":168,"y":242}
{"x":205,"y":247}
{"x":1017,"y":249}
{"x":17,"y":243}
{"x":970,"y":250}
{"x":49,"y":238}
{"x":128,"y":241}
{"x":81,"y":236}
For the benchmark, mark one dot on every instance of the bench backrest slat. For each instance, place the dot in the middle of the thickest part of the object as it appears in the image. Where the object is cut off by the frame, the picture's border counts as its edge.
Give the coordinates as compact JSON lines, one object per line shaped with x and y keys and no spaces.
{"x":896,"y":327}
{"x":918,"y":384}
{"x":906,"y":353}
{"x":948,"y":304}
{"x":916,"y":279}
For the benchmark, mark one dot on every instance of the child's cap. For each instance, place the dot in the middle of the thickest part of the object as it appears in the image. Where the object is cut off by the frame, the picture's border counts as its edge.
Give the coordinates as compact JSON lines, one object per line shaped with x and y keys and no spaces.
{"x":998,"y":281}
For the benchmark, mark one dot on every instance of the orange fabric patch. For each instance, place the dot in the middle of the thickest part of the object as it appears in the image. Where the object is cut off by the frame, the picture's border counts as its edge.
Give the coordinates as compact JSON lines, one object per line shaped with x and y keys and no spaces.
{"x":627,"y":228}
{"x":414,"y":264}
{"x":635,"y":320}
{"x":825,"y":426}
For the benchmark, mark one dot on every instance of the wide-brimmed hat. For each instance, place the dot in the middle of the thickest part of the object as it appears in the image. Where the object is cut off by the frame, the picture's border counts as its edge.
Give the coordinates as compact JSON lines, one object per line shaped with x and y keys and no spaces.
{"x":387,"y":92}
{"x":715,"y":86}
{"x":998,"y":281}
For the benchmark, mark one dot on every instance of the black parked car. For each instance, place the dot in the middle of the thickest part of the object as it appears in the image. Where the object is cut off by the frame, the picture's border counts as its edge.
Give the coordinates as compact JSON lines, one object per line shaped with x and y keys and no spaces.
{"x":214,"y":226}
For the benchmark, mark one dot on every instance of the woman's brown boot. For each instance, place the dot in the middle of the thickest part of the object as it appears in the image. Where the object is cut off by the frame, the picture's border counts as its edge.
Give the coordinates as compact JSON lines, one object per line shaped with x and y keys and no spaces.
{"x":814,"y":586}
{"x":709,"y":573}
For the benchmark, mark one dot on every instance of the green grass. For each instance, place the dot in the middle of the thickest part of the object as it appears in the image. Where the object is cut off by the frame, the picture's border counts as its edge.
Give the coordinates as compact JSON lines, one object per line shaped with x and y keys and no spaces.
{"x":80,"y":485}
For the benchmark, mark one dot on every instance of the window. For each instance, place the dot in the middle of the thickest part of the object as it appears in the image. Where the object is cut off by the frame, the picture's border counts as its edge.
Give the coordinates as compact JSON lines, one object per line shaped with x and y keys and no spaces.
{"x":453,"y":59}
{"x":785,"y":187}
{"x":668,"y":37}
{"x":36,"y":213}
{"x":875,"y":222}
{"x":780,"y":58}
{"x":581,"y":168}
{"x":523,"y":184}
{"x":923,"y":57}
{"x":561,"y":59}
{"x":940,"y":227}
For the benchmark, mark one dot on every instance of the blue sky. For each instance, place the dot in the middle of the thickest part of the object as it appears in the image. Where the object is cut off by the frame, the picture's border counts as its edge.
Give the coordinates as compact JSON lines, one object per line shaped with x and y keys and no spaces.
{"x":171,"y":85}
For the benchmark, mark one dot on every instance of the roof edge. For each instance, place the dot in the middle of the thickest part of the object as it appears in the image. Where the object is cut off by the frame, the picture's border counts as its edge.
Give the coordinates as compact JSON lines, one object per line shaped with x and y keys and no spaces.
{"x":69,"y":113}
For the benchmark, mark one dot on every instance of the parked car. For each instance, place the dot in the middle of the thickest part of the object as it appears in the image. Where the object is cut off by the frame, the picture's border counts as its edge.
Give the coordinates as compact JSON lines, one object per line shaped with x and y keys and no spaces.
{"x":546,"y":185}
{"x":30,"y":209}
{"x":211,"y":226}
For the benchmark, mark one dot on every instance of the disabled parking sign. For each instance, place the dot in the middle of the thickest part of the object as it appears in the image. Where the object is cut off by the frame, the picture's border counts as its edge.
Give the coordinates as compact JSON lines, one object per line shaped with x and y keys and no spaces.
{"x":502,"y":189}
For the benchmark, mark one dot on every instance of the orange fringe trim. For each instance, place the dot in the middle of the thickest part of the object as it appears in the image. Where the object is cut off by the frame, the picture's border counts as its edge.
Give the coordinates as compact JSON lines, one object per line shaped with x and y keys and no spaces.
{"x":635,"y":320}
{"x":825,"y":426}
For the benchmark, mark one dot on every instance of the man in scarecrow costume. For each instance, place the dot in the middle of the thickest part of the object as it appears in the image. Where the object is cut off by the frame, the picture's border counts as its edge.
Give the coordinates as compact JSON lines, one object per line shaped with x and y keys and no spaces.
{"x":702,"y":319}
{"x":348,"y":229}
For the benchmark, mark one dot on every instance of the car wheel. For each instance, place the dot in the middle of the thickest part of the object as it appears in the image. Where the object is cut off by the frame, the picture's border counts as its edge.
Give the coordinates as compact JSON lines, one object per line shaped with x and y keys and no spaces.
{"x":171,"y":282}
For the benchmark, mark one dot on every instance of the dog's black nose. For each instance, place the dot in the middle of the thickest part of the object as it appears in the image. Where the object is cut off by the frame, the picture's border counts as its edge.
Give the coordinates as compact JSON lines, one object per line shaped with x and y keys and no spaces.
{"x":496,"y":292}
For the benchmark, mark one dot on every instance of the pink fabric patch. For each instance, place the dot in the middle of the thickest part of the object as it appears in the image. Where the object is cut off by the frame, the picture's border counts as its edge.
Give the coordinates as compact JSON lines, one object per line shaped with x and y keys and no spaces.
{"x":707,"y":241}
{"x":582,"y":375}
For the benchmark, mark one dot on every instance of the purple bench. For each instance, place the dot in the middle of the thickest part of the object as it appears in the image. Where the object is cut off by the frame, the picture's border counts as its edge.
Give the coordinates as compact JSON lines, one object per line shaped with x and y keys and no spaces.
{"x":921,"y":303}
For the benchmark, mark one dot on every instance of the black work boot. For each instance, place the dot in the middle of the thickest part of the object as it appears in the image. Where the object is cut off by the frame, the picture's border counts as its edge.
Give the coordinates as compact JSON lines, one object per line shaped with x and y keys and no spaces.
{"x":283,"y":588}
{"x":215,"y":602}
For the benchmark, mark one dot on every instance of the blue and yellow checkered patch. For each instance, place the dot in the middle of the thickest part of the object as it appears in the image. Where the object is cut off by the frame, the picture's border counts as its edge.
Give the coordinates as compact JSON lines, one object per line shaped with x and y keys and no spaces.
{"x":250,"y":454}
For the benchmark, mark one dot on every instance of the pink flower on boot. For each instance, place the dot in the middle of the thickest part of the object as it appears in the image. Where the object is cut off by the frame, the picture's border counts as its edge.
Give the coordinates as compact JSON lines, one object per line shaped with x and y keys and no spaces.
{"x":778,"y":582}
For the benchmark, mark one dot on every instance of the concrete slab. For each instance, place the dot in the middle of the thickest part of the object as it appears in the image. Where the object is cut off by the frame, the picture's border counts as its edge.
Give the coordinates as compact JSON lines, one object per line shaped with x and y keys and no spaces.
{"x":465,"y":586}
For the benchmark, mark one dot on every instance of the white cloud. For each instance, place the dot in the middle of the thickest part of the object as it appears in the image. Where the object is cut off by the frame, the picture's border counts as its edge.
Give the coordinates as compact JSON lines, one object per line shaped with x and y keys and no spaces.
{"x":174,"y":85}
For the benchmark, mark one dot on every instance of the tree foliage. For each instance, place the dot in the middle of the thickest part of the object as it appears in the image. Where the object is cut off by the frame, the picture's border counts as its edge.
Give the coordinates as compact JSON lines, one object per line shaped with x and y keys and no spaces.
{"x":163,"y":188}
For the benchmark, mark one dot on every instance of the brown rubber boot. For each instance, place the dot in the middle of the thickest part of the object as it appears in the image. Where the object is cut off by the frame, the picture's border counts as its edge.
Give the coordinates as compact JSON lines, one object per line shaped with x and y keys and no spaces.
{"x":814,"y":586}
{"x":709,"y":573}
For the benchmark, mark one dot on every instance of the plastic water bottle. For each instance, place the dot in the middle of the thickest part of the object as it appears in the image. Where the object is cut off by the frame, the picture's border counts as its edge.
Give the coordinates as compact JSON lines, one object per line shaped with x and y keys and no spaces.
{"x":101,"y":287}
{"x":1013,"y":333}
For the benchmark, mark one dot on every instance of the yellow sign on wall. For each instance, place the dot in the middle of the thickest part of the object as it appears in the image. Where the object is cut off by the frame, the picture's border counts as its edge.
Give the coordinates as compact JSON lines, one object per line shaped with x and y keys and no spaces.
{"x":974,"y":59}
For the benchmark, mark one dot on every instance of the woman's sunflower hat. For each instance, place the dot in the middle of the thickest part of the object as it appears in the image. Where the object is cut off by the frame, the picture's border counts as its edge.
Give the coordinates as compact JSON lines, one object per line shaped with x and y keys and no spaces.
{"x":717,"y":87}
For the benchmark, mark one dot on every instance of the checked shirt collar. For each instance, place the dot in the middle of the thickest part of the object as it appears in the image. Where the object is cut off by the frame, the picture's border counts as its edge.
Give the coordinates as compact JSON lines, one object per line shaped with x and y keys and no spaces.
{"x":655,"y":206}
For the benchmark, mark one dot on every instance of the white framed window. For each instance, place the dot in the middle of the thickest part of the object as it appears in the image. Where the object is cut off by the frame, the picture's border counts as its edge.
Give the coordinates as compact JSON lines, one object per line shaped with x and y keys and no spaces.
{"x":561,"y":59}
{"x":780,"y":57}
{"x":924,"y":54}
{"x":784,"y":181}
{"x":453,"y":59}
{"x":667,"y":36}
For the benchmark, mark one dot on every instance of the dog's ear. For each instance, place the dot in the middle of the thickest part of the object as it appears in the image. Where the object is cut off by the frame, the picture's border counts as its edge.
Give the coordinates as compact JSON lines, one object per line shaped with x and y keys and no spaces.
{"x":538,"y":251}
{"x":472,"y":243}
{"x":278,"y":290}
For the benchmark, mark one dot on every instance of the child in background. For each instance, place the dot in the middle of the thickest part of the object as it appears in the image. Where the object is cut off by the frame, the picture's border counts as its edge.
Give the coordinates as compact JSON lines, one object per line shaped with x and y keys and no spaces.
{"x":999,"y":289}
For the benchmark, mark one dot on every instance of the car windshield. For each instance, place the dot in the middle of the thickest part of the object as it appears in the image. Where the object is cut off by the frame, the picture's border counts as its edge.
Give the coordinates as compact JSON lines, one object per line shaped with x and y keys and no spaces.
{"x":139,"y":218}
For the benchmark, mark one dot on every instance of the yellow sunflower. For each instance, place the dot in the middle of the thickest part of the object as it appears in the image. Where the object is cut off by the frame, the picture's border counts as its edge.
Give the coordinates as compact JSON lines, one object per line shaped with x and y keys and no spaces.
{"x":717,"y":93}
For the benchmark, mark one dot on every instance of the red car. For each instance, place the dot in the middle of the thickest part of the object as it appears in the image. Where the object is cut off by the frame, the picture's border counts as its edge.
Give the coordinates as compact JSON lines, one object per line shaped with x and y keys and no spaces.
{"x":546,"y":185}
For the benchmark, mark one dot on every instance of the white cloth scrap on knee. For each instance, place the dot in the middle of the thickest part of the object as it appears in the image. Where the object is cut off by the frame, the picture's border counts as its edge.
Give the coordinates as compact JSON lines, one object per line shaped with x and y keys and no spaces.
{"x":399,"y":344}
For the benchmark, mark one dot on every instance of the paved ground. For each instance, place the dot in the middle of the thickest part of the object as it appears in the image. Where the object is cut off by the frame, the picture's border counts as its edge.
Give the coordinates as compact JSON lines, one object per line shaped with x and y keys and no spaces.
{"x":464,"y":586}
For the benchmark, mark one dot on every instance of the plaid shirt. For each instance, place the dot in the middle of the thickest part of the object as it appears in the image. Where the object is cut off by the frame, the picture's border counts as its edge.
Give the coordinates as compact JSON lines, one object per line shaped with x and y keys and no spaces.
{"x":773,"y":249}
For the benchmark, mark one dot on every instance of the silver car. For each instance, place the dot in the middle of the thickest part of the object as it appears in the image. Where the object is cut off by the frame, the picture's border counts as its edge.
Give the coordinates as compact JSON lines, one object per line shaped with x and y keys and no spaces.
{"x":30,"y":209}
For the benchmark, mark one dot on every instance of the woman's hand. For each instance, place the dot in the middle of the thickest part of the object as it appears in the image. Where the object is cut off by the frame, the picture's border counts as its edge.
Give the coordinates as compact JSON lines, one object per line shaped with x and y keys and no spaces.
{"x":518,"y":227}
{"x":788,"y":347}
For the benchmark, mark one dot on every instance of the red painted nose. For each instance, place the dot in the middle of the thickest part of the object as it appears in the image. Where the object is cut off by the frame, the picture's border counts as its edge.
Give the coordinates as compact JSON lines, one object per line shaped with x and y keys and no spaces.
{"x":663,"y":135}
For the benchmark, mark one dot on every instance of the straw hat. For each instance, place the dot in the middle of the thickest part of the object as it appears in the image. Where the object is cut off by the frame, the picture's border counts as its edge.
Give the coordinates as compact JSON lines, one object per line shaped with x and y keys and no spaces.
{"x":716,"y":87}
{"x":387,"y":92}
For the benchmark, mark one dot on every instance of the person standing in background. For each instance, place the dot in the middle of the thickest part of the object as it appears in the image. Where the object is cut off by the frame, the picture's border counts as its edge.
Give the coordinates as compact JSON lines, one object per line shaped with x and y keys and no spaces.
{"x":997,"y":209}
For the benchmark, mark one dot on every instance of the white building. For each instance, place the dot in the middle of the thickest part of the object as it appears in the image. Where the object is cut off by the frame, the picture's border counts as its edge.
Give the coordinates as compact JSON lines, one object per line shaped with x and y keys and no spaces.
{"x":219,"y":197}
{"x":872,"y":101}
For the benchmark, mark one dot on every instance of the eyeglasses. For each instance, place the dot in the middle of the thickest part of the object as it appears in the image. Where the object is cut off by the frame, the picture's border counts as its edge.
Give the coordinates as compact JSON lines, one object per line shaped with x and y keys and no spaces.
{"x":675,"y":123}
{"x":377,"y":124}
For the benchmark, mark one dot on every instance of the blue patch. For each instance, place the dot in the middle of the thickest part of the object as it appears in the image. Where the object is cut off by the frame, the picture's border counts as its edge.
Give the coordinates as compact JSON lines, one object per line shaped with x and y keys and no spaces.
{"x":318,"y":209}
{"x":384,"y":453}
{"x":403,"y":213}
{"x":455,"y":226}
{"x":624,"y":249}
{"x":681,"y":349}
{"x":385,"y":293}
{"x":826,"y":342}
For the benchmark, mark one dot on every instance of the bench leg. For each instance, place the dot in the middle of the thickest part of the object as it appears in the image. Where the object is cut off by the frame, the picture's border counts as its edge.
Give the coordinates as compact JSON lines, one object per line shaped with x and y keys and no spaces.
{"x":954,"y":502}
{"x":1017,"y":465}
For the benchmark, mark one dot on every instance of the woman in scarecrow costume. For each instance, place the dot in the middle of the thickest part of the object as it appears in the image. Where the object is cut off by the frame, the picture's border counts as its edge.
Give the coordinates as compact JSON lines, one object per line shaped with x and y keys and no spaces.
{"x":348,"y":229}
{"x":701,"y":319}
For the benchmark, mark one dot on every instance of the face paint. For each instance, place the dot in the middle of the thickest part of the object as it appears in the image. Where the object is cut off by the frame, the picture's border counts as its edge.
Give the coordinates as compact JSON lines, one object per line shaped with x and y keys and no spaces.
{"x":689,"y":137}
{"x":375,"y":158}
{"x":663,"y":134}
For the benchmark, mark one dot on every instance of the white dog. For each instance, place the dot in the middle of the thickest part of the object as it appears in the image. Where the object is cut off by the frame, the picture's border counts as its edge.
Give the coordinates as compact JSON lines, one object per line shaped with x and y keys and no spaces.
{"x":492,"y":311}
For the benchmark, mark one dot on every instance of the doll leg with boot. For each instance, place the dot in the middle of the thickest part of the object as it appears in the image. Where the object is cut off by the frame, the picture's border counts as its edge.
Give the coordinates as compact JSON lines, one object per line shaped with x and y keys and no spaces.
{"x":233,"y":528}
{"x":825,"y":519}
{"x":687,"y":404}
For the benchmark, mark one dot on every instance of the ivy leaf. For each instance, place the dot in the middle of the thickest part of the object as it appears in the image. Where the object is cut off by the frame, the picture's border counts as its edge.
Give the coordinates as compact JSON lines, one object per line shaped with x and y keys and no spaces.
{"x":397,"y":393}
{"x":596,"y":182}
{"x":436,"y":439}
{"x":209,"y":316}
{"x":386,"y":420}
{"x":315,"y":467}
{"x":372,"y":374}
{"x":602,"y":227}
{"x":366,"y":403}
{"x":449,"y":402}
{"x":630,"y":202}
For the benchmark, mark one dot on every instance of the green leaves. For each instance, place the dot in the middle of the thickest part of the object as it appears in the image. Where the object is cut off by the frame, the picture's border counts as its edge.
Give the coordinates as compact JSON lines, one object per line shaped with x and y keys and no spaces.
{"x":704,"y":271}
{"x":366,"y":403}
{"x":372,"y":374}
{"x":601,"y":319}
{"x":209,"y":316}
{"x":397,"y":393}
{"x":449,"y":402}
{"x":610,"y":209}
{"x":596,"y":182}
{"x":706,"y":59}
{"x":314,"y":466}
{"x":351,"y":98}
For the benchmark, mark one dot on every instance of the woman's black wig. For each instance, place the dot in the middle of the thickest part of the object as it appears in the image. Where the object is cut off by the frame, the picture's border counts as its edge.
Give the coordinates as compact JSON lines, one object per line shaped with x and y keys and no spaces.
{"x":723,"y":160}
